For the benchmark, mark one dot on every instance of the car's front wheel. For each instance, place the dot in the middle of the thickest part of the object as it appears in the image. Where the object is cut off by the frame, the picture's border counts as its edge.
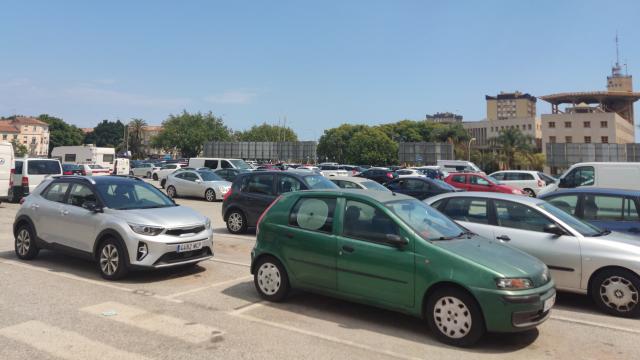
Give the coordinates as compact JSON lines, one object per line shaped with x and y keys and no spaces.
{"x":148,"y":175}
{"x":155,"y":177}
{"x":210,"y":195}
{"x":112,"y":260}
{"x":163,"y":182}
{"x":270,"y":279}
{"x":454,"y":317}
{"x":25,"y":243}
{"x":171,"y":192}
{"x":616,"y":292}
{"x":236,"y":222}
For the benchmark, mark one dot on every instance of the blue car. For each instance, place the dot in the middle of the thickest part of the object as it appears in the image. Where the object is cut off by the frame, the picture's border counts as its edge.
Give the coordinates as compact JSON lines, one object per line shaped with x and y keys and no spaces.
{"x":612,"y":209}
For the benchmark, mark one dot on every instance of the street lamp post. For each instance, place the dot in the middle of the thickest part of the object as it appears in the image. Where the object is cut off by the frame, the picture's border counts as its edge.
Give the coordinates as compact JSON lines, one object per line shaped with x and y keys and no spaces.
{"x":469,"y":147}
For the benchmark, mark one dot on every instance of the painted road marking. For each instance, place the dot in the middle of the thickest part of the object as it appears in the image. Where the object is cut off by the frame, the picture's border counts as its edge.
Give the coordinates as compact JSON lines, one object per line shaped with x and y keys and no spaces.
{"x":230,"y":262}
{"x":594,"y":324}
{"x":214,"y":285}
{"x":63,"y":344}
{"x":156,"y":323}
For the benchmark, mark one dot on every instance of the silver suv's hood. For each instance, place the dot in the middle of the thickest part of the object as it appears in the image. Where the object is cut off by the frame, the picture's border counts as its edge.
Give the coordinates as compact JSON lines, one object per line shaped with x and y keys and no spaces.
{"x":168,"y":217}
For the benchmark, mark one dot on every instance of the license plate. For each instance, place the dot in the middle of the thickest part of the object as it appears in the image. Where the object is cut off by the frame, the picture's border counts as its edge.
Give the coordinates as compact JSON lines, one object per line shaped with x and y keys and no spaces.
{"x":196,"y":245}
{"x":548,"y":304}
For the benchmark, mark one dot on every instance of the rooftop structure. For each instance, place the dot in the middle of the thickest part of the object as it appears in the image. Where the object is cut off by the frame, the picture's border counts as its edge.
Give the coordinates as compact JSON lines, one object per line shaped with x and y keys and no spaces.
{"x":446,"y":117}
{"x":509,"y":105}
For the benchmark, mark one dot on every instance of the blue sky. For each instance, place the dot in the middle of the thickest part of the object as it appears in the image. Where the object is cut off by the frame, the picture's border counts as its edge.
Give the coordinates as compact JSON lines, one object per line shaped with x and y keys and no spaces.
{"x":320,"y":63}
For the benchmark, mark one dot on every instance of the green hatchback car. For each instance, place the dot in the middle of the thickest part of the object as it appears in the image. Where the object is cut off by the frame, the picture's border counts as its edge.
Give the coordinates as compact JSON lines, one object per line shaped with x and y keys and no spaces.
{"x":395,"y":252}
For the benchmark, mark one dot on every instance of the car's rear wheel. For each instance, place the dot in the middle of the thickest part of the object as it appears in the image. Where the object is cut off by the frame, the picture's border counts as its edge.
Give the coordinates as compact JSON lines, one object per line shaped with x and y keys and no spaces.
{"x":163,"y":182}
{"x":25,"y":243}
{"x":210,"y":195}
{"x":454,"y":317}
{"x":616,"y":292}
{"x":270,"y":279}
{"x":148,"y":175}
{"x":112,"y":260}
{"x":529,"y":192}
{"x":155,"y":177}
{"x":171,"y":192}
{"x":236,"y":222}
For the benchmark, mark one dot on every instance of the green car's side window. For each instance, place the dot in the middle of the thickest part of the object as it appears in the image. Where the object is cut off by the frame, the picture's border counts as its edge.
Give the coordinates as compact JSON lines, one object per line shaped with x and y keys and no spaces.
{"x":315,"y":214}
{"x":365,"y":222}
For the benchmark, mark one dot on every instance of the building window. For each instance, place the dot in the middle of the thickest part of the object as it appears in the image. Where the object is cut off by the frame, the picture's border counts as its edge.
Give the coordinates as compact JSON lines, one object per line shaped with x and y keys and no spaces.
{"x":587,"y":139}
{"x":4,"y":136}
{"x":552,"y":124}
{"x":603,"y":124}
{"x":529,"y":126}
{"x":567,"y":124}
{"x":587,"y":124}
{"x":568,"y":139}
{"x":552,"y":139}
{"x":604,"y":139}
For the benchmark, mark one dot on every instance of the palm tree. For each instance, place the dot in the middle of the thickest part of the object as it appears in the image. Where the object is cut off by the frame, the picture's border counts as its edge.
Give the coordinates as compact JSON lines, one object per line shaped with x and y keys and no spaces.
{"x":135,"y":129}
{"x":512,"y":143}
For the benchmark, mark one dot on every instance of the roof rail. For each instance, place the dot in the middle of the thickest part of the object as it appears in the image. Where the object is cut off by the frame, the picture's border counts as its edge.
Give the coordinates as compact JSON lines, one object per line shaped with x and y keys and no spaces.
{"x":130,"y":177}
{"x":77,"y":177}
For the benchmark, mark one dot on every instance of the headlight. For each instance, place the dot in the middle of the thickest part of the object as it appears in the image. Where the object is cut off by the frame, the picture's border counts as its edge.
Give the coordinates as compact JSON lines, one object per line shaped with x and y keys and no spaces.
{"x":146,"y":229}
{"x":207,"y":224}
{"x":513,"y":283}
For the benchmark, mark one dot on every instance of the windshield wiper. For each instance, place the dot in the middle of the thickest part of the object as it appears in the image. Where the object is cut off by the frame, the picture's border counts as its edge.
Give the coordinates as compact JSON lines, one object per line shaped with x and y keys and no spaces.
{"x":464,"y":233}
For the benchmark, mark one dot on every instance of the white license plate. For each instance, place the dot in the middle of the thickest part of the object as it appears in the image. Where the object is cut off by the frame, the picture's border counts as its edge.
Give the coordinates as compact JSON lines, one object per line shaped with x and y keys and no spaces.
{"x":548,"y":304}
{"x":196,"y":245}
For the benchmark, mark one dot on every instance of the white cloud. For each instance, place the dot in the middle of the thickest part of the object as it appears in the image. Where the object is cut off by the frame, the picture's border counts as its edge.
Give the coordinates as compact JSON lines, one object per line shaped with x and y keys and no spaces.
{"x":231,"y":97}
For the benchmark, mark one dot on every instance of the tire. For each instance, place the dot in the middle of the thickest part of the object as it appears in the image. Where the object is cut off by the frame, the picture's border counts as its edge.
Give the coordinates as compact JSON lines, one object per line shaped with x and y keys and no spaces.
{"x":616,"y":292}
{"x":163,"y":182}
{"x":15,"y":196}
{"x":210,"y":195}
{"x":271,"y":280}
{"x":148,"y":175}
{"x":25,"y":243}
{"x":171,"y":192}
{"x":155,"y":177}
{"x":236,"y":222}
{"x":529,"y":192}
{"x":112,"y":260}
{"x":454,"y":317}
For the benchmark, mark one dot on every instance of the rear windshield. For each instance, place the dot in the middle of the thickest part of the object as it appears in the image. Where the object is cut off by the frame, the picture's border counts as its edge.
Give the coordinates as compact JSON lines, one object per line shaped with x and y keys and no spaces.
{"x":209,"y":176}
{"x":443,"y":185}
{"x":372,"y":185}
{"x":240,"y":164}
{"x":319,"y":182}
{"x":43,"y":167}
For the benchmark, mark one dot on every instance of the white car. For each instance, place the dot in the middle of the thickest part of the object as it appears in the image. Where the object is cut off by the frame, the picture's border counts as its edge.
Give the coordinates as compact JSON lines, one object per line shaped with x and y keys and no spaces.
{"x":144,"y":170}
{"x":409,"y":172}
{"x":164,"y":171}
{"x":94,"y":169}
{"x":197,"y":183}
{"x":332,"y":170}
{"x":530,"y":182}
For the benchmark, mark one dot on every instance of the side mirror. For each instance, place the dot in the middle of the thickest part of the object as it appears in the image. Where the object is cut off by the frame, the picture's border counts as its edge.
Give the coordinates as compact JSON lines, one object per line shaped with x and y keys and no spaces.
{"x":92,"y":206}
{"x":553,"y":229}
{"x":396,"y":240}
{"x":198,"y":181}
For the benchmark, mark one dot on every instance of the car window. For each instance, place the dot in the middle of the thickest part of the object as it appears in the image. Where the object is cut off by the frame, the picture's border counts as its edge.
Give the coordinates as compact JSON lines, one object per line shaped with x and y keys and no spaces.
{"x":55,"y":192}
{"x":180,"y":175}
{"x":526,"y":176}
{"x":209,"y":175}
{"x":365,"y":222}
{"x":519,"y":216}
{"x":211,"y":164}
{"x":467,"y":209}
{"x":43,"y":167}
{"x":547,"y":179}
{"x":70,"y":157}
{"x":567,"y":203}
{"x":477,"y":180}
{"x":630,"y":210}
{"x":225,"y":164}
{"x":458,"y":179}
{"x":19,"y":167}
{"x":261,"y":184}
{"x":287,"y":184}
{"x":132,"y":195}
{"x":317,"y":182}
{"x":416,"y":185}
{"x":315,"y":214}
{"x":372,"y":185}
{"x":499,"y":176}
{"x":80,"y":194}
{"x":580,"y":176}
{"x":190,"y":176}
{"x":599,"y":207}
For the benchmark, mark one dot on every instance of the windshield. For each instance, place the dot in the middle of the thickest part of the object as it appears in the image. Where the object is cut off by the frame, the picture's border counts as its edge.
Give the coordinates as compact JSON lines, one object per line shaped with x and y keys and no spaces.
{"x":443,"y":185}
{"x":494,"y":180}
{"x":372,"y":185}
{"x":209,"y":176}
{"x":132,"y":195}
{"x":319,"y":182}
{"x":578,"y":225}
{"x":240,"y":164}
{"x":426,"y":221}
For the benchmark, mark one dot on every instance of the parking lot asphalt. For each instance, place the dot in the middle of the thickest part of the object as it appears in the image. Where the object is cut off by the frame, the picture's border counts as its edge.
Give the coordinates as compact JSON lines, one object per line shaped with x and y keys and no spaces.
{"x":59,"y":307}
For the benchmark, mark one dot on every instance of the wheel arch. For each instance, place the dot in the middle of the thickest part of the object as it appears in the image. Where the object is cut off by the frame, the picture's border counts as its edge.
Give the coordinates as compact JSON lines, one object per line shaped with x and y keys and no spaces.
{"x":231,"y":208}
{"x":21,"y":220}
{"x":266,"y":255}
{"x":603,"y":269}
{"x":109,"y":234}
{"x":447,"y":284}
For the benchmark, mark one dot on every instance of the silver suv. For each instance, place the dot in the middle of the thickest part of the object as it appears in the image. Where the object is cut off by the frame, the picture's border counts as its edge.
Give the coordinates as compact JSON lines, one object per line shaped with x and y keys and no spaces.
{"x":120,"y":222}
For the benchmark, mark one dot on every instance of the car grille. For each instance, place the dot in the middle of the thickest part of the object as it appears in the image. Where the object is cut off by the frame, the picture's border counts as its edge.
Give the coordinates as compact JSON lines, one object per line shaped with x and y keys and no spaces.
{"x":176,"y":257}
{"x":185,"y":231}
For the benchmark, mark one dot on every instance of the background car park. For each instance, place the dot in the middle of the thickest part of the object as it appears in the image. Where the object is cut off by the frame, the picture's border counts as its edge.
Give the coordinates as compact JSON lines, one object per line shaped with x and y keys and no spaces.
{"x":582,"y":258}
{"x":73,"y":169}
{"x":164,"y":171}
{"x":230,"y":174}
{"x":143,"y":169}
{"x":334,"y":170}
{"x":419,"y":187}
{"x":353,"y":182}
{"x":94,"y":170}
{"x":218,"y":163}
{"x":201,"y":183}
{"x":530,"y":182}
{"x":479,"y":182}
{"x":379,"y":175}
{"x":409,"y":173}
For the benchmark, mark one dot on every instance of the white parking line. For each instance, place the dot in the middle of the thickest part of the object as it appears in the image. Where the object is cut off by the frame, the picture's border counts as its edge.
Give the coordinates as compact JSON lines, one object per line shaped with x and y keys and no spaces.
{"x":63,"y":344}
{"x":230,"y":262}
{"x":157,"y":323}
{"x":217,"y":235}
{"x":594,"y":324}
{"x":214,"y":285}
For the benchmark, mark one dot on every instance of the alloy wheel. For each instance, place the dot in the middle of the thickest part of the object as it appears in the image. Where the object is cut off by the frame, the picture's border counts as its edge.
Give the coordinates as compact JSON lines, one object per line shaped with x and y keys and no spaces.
{"x":235,"y":221}
{"x":23,"y":242}
{"x":171,"y":191}
{"x":269,"y":279}
{"x":452,"y":317}
{"x":619,"y":294}
{"x":210,"y":195}
{"x":109,"y":259}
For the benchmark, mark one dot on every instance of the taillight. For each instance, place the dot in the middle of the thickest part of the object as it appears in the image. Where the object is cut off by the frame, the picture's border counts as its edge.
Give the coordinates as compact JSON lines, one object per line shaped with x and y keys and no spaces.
{"x":390,"y":175}
{"x":224,"y":198}
{"x":83,"y":172}
{"x":264,"y":212}
{"x":25,"y":181}
{"x":13,"y":172}
{"x":540,"y":183}
{"x":67,"y":173}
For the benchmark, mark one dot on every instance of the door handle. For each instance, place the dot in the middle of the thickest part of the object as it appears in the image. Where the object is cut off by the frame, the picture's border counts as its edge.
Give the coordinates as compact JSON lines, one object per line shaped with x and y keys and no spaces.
{"x":348,"y":248}
{"x":503,"y":238}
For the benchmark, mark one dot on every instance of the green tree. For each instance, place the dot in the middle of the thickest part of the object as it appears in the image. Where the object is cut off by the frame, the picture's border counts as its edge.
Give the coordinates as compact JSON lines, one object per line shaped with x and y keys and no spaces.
{"x":107,"y":134}
{"x":266,"y":132}
{"x":19,"y":149}
{"x":61,"y":133}
{"x":511,"y":144}
{"x":371,"y":146}
{"x":332,"y":145}
{"x":134,"y":131}
{"x":188,"y":132}
{"x":404,"y":131}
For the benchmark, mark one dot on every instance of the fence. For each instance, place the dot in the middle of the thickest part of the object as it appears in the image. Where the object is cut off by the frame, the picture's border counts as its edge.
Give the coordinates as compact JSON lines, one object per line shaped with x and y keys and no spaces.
{"x":293,"y":151}
{"x":562,"y":156}
{"x":424,"y":153}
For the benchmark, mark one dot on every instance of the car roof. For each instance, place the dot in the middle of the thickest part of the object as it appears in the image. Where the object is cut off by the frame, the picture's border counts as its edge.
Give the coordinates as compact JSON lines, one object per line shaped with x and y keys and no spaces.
{"x":350,"y":178}
{"x":593,"y":190}
{"x":516,"y":171}
{"x":489,"y":195}
{"x":113,"y":179}
{"x":380,"y":196}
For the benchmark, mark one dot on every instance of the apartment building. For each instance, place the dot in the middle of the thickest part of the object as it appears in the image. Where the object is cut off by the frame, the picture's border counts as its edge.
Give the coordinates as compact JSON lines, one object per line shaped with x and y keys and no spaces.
{"x":509,"y":105}
{"x":148,"y":133}
{"x":29,"y":131}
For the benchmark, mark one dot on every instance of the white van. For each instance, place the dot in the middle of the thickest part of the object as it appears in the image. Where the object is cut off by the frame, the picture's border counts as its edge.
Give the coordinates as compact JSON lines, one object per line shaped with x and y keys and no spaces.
{"x":85,"y":154}
{"x":458,"y":166}
{"x":121,"y":167}
{"x":615,"y":175}
{"x":218,"y":163}
{"x":29,"y":173}
{"x":6,"y":164}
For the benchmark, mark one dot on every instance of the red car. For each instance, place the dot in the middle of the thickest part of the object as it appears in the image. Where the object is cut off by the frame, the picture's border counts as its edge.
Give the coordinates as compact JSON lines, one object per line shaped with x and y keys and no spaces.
{"x":479,"y":182}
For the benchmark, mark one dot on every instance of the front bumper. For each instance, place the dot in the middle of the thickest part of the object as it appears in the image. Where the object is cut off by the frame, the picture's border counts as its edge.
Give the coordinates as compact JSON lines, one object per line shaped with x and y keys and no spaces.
{"x":513,"y":311}
{"x":162,"y":250}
